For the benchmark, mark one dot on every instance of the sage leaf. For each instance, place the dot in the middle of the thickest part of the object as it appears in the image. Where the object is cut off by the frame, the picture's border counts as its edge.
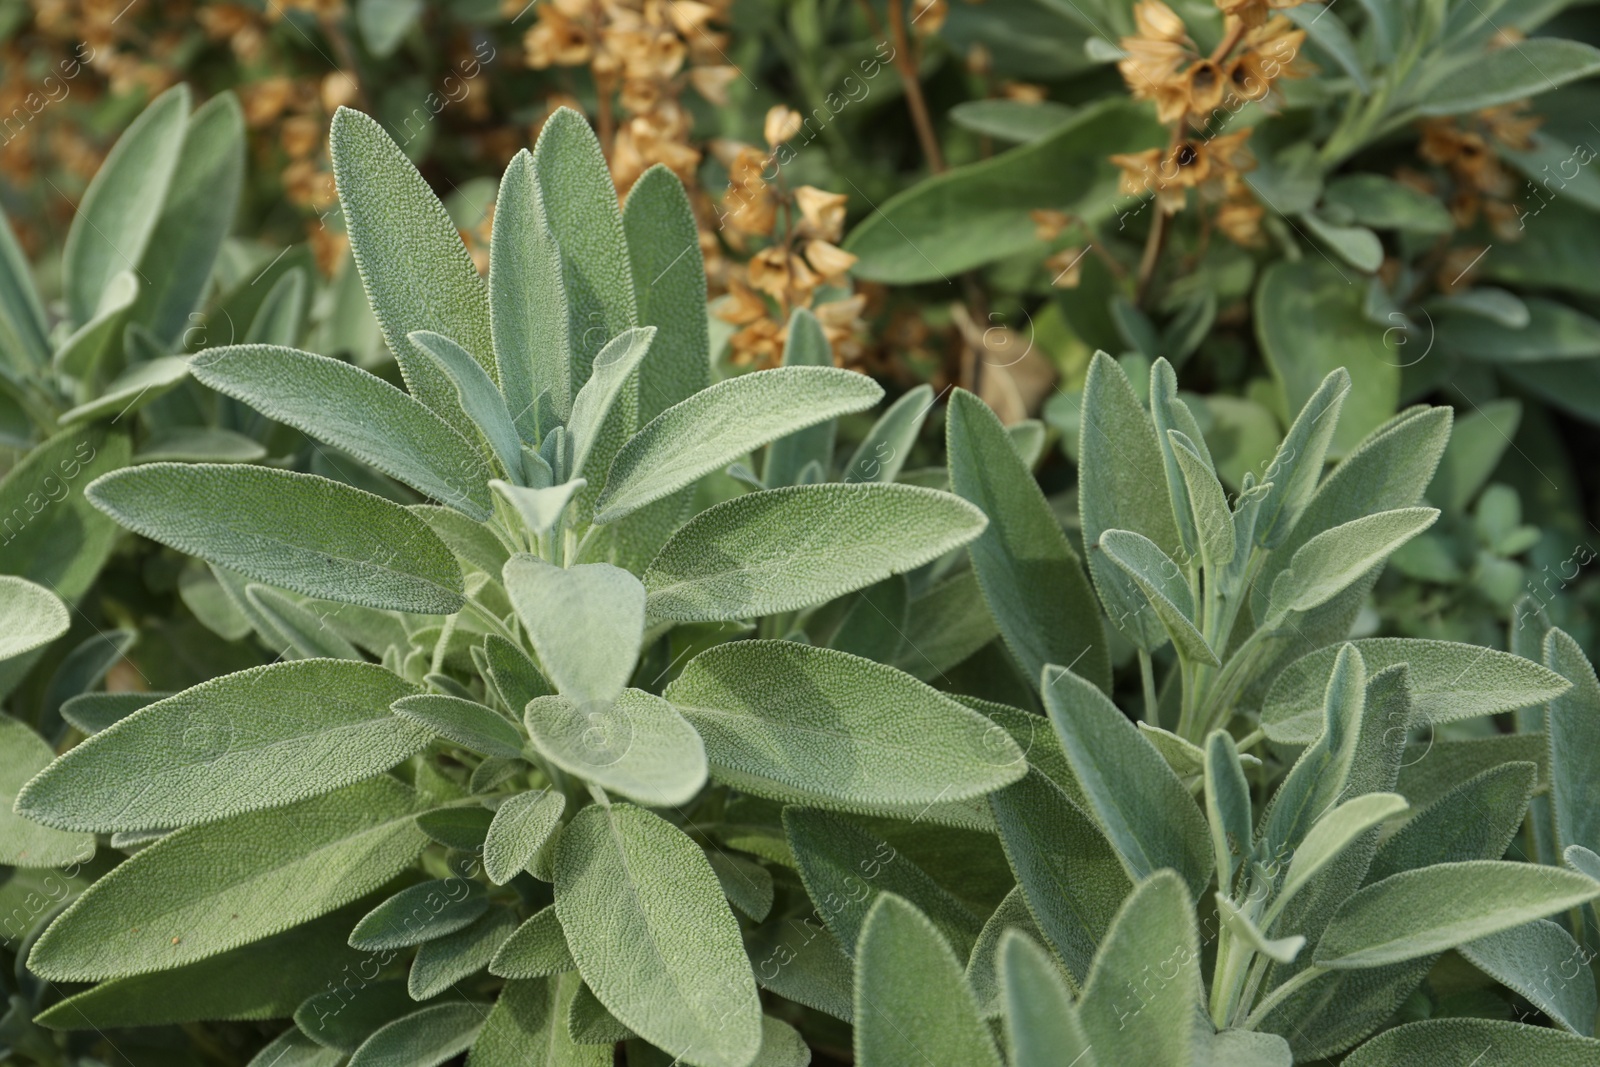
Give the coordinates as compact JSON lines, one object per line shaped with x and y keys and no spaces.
{"x":479,"y":397}
{"x":646,"y":921}
{"x":1331,"y":834}
{"x":531,"y":1016}
{"x":669,"y":283}
{"x":420,"y":913}
{"x":786,"y":549}
{"x":441,"y":962}
{"x":297,"y":531}
{"x":1327,"y":564}
{"x":791,"y":456}
{"x":1499,"y":76}
{"x":1163,"y":587}
{"x":1535,"y":960}
{"x":637,"y":745}
{"x":1042,"y":1026}
{"x":1495,"y":1043}
{"x":425,"y":1038}
{"x":586,"y":622}
{"x":614,"y":367}
{"x":24,"y":843}
{"x":1573,"y":725}
{"x":528,"y":300}
{"x":462,"y":722}
{"x":255,"y":739}
{"x":536,"y":949}
{"x":520,"y":828}
{"x":30,"y":616}
{"x":882,"y":453}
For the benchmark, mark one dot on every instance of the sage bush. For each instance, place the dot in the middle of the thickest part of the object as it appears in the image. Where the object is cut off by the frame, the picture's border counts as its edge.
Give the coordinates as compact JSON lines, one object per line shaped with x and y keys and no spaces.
{"x":544,"y":694}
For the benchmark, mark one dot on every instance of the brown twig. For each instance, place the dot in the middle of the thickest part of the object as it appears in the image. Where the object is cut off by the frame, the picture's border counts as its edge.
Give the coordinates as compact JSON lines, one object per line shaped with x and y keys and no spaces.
{"x":905,"y":63}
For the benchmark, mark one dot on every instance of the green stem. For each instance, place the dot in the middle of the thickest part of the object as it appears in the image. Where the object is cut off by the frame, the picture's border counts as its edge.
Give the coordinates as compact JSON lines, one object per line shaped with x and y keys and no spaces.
{"x":1147,"y":676}
{"x":1282,"y":993}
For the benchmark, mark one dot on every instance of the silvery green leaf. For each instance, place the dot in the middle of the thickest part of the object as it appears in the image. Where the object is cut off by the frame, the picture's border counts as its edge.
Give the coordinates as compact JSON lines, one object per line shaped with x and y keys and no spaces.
{"x":528,"y":301}
{"x":479,"y":397}
{"x":724,"y":423}
{"x":30,"y":616}
{"x":131,"y":390}
{"x":1499,"y":76}
{"x":882,"y":454}
{"x":1122,"y":486}
{"x":1227,"y":806}
{"x":93,"y":712}
{"x":580,"y":201}
{"x":416,"y":271}
{"x":785,"y":549}
{"x":1213,"y":521}
{"x":425,"y":1038}
{"x":808,"y":966}
{"x":462,"y":722}
{"x":1281,"y":950}
{"x":279,"y":319}
{"x":1164,"y":403}
{"x":472,"y":542}
{"x":746,"y":884}
{"x":226,"y":884}
{"x":1541,"y":962}
{"x":788,"y":457}
{"x":463,"y":828}
{"x":846,"y":869}
{"x":1031,"y":578}
{"x":1583,"y":861}
{"x":1297,"y":467}
{"x":912,"y":1001}
{"x":200,"y":444}
{"x":1331,"y":834}
{"x":294,"y":1049}
{"x":120,"y":209}
{"x":258,"y":738}
{"x":516,"y":679}
{"x":1042,"y":1027}
{"x":420,"y":913}
{"x":1163,"y":587}
{"x":1070,"y":876}
{"x":79,"y":355}
{"x":24,"y":331}
{"x":1495,"y":1043}
{"x":309,"y":636}
{"x":295,"y":531}
{"x":1573,"y":724}
{"x":537,"y":949}
{"x":1334,"y":559}
{"x":342,"y":1025}
{"x":1431,"y":909}
{"x":344,"y":406}
{"x":196,"y":215}
{"x":646,"y":922}
{"x":1476,"y":820}
{"x":874,"y":625}
{"x":636,"y":745}
{"x":442,"y":962}
{"x":812,"y":725}
{"x":614,"y":367}
{"x":532,"y":1015}
{"x":585,"y":622}
{"x":385,"y":23}
{"x":589,"y":1023}
{"x":669,"y":282}
{"x":520,"y":828}
{"x":1145,"y":809}
{"x":1155,"y":1024}
{"x":23,"y":842}
{"x":1449,"y":682}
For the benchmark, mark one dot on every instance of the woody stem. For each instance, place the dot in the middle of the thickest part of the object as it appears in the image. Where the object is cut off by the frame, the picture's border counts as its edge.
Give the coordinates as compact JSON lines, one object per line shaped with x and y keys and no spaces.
{"x":1230,"y":40}
{"x":905,"y":63}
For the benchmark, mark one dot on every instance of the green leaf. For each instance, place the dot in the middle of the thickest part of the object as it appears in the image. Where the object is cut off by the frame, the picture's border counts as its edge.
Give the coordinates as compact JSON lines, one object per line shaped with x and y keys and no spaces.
{"x":514,"y":675}
{"x":294,"y":1049}
{"x":425,"y":1038}
{"x":1449,"y":682}
{"x":722,"y":424}
{"x":206,"y":889}
{"x":120,"y":209}
{"x":789,"y":457}
{"x":1121,"y":486}
{"x":537,"y":949}
{"x":1476,"y":820}
{"x":1030,"y":576}
{"x":362,"y":414}
{"x":1356,"y":245}
{"x":1146,"y":811}
{"x":883,"y":452}
{"x":462,"y":828}
{"x":531,"y":1017}
{"x":441,"y":962}
{"x":1013,"y":121}
{"x":1227,"y":806}
{"x":1213,"y":521}
{"x":1495,"y":1043}
{"x":978,"y":213}
{"x":200,"y":445}
{"x":339,"y":1024}
{"x":646,"y":921}
{"x":256,"y":739}
{"x":520,"y":828}
{"x":30,"y":616}
{"x":1553,"y":331}
{"x":804,"y":963}
{"x":1310,"y":322}
{"x":1501,"y":75}
{"x":1330,"y":562}
{"x":1240,"y":925}
{"x":581,"y":202}
{"x":420,"y":913}
{"x":746,"y":884}
{"x":912,"y":1001}
{"x":478,"y":396}
{"x":845,"y":870}
{"x":786,"y":549}
{"x":1128,"y":1018}
{"x":131,"y":390}
{"x":81,"y":352}
{"x":196,"y":215}
{"x":1071,"y":877}
{"x":93,"y":712}
{"x":614,"y":367}
{"x":812,"y":725}
{"x":1482,"y":437}
{"x":24,"y":332}
{"x":296,"y":531}
{"x":1161,"y":583}
{"x":1386,"y":204}
{"x":1042,"y":1027}
{"x":1420,"y":912}
{"x":1573,"y":725}
{"x":385,"y":23}
{"x":528,"y":300}
{"x":1534,"y":961}
{"x":462,"y":722}
{"x":589,"y":1023}
{"x":638,"y":745}
{"x":1329,"y":836}
{"x":307,"y":635}
{"x":416,"y":271}
{"x":23,"y":754}
{"x":669,"y":281}
{"x":586,"y":623}
{"x":50,"y":533}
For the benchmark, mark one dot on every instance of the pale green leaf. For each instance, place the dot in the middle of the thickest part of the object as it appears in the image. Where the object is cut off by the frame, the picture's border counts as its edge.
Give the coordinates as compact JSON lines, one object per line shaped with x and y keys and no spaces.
{"x":1476,"y":820}
{"x":1330,"y":835}
{"x":425,"y":1038}
{"x":24,"y":331}
{"x":1478,"y":1042}
{"x":1296,"y":468}
{"x":539,"y":508}
{"x":1502,"y":75}
{"x":528,"y":300}
{"x":441,"y":962}
{"x":420,"y":913}
{"x":1208,"y":504}
{"x":614,"y":367}
{"x":131,"y":390}
{"x":308,"y":635}
{"x":1573,"y":725}
{"x":520,"y":828}
{"x":586,"y":623}
{"x":24,"y":843}
{"x":478,"y":396}
{"x":1162,"y":585}
{"x":669,"y":282}
{"x":537,"y":949}
{"x":80,"y":353}
{"x":1540,"y":961}
{"x":1042,"y":1026}
{"x":1240,"y":925}
{"x":52,"y":535}
{"x":30,"y":616}
{"x":530,"y":1020}
{"x":790,"y":456}
{"x":1227,"y":806}
{"x":883,"y":452}
{"x":462,"y":722}
{"x":637,"y":745}
{"x":1330,"y":562}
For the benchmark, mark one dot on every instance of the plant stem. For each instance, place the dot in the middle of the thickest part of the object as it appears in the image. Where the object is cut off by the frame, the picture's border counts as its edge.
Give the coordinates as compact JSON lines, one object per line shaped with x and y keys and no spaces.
{"x":1282,"y":993}
{"x":905,"y":62}
{"x":1147,"y":676}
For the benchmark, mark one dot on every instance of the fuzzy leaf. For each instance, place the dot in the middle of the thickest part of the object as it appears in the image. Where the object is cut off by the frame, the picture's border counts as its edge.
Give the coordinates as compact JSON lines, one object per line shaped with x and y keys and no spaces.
{"x":478,"y":396}
{"x":442,"y":962}
{"x":1330,"y":562}
{"x":646,"y":921}
{"x":1478,"y":1042}
{"x":1499,"y":76}
{"x":883,"y":452}
{"x":30,"y":616}
{"x":296,"y":531}
{"x":531,"y":1017}
{"x":1331,"y":834}
{"x":463,"y":722}
{"x":527,"y":300}
{"x":790,"y":456}
{"x":638,"y":745}
{"x":537,"y":949}
{"x":1227,"y":806}
{"x":1543,"y":963}
{"x":586,"y":623}
{"x":23,"y":843}
{"x":614,"y":367}
{"x":256,"y":739}
{"x":1296,"y":468}
{"x":520,"y":828}
{"x":1162,"y":585}
{"x":420,"y":913}
{"x":1042,"y":1026}
{"x":786,"y":549}
{"x":724,"y":423}
{"x":669,"y":282}
{"x":52,"y":536}
{"x":425,"y":1038}
{"x":1573,"y":722}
